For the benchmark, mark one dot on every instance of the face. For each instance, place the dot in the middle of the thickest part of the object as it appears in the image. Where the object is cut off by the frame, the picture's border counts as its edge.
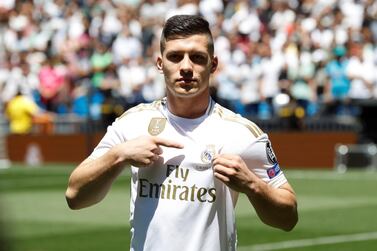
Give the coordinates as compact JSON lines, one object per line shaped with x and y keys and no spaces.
{"x":187,"y":65}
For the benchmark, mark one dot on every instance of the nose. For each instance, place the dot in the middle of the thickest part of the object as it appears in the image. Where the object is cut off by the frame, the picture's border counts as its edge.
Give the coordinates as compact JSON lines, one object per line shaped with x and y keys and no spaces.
{"x":186,"y":65}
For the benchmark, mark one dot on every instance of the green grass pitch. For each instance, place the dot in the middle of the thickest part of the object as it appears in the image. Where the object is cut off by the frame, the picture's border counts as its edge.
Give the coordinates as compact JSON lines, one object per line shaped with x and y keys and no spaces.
{"x":333,"y":209}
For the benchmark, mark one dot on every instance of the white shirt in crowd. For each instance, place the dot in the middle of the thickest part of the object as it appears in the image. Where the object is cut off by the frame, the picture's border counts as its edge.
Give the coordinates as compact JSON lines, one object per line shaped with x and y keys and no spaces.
{"x":361,"y":74}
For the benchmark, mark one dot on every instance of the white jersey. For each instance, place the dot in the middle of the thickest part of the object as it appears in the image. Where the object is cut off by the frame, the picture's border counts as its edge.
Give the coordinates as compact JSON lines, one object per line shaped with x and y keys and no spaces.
{"x":177,"y":204}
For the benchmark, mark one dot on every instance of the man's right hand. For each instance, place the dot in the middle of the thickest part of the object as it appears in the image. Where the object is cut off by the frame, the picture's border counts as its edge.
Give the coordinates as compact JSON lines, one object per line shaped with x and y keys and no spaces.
{"x":143,"y":151}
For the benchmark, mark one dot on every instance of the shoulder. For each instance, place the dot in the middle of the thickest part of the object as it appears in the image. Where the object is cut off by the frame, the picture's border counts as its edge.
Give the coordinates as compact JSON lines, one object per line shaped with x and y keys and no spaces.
{"x":141,"y":110}
{"x":132,"y":123}
{"x":237,"y":121}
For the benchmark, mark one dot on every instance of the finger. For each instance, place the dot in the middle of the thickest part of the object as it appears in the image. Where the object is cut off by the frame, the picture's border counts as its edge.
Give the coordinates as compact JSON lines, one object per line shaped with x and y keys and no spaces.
{"x":222,"y":177}
{"x":226,"y":156}
{"x":227,"y":162}
{"x":224,"y":170}
{"x":144,"y":162}
{"x":155,"y":157}
{"x":168,"y":143}
{"x":158,"y":150}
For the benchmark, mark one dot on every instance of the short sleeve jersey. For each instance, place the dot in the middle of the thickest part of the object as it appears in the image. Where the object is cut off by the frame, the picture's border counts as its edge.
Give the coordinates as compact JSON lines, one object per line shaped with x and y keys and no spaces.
{"x":178,"y":204}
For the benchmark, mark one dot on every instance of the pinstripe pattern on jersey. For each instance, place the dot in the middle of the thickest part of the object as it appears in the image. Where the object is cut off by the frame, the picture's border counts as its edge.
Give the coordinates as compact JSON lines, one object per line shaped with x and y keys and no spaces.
{"x":231,"y":116}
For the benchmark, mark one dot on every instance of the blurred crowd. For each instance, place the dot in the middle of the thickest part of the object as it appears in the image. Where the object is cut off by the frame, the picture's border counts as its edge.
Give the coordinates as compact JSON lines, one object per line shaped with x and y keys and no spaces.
{"x":96,"y":58}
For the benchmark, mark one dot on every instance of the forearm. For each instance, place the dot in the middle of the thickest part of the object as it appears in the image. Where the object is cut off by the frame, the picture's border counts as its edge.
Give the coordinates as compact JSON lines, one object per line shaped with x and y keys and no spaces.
{"x":92,"y":179}
{"x":276,"y":207}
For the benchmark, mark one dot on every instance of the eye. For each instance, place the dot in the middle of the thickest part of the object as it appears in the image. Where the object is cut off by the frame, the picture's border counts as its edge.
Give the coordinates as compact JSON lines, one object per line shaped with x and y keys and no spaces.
{"x":174,"y":57}
{"x":198,"y":59}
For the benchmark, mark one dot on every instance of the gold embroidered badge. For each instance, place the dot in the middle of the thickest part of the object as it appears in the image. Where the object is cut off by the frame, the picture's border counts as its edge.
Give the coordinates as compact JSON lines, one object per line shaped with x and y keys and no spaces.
{"x":156,"y":126}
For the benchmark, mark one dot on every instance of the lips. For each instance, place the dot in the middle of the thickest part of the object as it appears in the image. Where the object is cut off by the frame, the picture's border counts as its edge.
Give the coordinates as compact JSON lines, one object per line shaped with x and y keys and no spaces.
{"x":186,"y":80}
{"x":186,"y":83}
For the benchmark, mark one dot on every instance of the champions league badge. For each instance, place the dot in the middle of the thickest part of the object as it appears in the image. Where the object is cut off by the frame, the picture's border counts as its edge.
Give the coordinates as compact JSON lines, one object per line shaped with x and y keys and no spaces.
{"x":270,"y":153}
{"x":273,"y":171}
{"x":208,"y":154}
{"x":156,"y":126}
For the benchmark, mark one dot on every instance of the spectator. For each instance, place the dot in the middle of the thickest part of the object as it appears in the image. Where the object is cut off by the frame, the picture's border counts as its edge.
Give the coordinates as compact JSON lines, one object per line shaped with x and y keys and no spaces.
{"x":51,"y":81}
{"x":126,"y":46}
{"x":18,"y":77}
{"x":132,"y":77}
{"x":361,"y":74}
{"x":270,"y":68}
{"x":20,"y":111}
{"x":154,"y":87}
{"x":338,"y":85}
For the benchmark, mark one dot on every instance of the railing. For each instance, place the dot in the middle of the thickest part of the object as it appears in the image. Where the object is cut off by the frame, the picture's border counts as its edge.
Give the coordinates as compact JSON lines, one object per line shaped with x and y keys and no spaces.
{"x":320,"y":124}
{"x":69,"y":124}
{"x":4,"y":162}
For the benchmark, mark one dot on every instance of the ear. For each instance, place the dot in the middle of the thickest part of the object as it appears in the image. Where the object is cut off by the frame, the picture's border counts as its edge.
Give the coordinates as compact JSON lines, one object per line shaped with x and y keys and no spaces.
{"x":215,"y":63}
{"x":159,"y":64}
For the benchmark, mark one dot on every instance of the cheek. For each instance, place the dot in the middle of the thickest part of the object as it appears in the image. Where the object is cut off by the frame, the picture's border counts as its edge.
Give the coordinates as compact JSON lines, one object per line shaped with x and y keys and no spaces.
{"x":205,"y":73}
{"x":166,"y":70}
{"x":169,"y":69}
{"x":168,"y":75}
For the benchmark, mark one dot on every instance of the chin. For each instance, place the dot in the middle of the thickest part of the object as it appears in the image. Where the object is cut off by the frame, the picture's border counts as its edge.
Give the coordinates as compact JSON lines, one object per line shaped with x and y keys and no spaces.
{"x":185,"y":94}
{"x":179,"y":91}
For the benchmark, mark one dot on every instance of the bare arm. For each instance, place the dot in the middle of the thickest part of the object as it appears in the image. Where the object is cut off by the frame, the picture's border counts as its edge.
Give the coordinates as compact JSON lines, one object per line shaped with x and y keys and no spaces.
{"x":276,"y":207}
{"x":92,"y":179}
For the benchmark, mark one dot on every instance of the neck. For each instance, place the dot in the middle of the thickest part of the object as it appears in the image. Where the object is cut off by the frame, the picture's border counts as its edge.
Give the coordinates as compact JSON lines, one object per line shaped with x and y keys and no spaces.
{"x":192,"y":107}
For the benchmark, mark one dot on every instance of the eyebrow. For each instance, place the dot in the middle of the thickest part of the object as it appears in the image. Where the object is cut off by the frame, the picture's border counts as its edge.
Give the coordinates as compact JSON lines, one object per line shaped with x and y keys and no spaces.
{"x":194,"y":51}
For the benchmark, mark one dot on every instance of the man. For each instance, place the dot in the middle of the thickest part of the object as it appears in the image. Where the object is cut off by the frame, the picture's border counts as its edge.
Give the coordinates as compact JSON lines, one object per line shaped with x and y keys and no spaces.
{"x":20,"y":111}
{"x":336,"y":90}
{"x":189,"y":157}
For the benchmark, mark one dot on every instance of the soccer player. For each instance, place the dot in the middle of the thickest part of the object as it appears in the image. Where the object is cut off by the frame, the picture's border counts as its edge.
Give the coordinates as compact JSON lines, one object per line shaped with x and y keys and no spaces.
{"x":190,"y":158}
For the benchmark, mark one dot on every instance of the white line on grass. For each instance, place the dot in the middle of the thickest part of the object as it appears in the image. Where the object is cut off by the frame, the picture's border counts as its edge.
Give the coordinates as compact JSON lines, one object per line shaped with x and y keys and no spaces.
{"x":311,"y":242}
{"x":302,"y":175}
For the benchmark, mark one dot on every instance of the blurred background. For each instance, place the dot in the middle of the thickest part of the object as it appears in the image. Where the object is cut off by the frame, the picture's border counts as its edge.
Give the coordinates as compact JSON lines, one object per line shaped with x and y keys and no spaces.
{"x":304,"y":71}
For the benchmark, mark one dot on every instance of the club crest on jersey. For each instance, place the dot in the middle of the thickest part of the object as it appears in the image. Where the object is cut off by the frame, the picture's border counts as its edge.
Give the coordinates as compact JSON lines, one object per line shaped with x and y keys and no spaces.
{"x":156,"y":126}
{"x":273,"y":171}
{"x":270,"y":153}
{"x":208,"y":154}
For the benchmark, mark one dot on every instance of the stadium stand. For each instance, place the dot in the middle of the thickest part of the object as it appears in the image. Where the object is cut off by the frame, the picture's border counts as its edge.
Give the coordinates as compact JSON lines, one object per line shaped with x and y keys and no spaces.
{"x":287,"y":64}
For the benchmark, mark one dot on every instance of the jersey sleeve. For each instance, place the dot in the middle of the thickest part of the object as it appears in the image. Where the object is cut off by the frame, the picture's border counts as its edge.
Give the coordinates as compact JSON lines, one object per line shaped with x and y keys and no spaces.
{"x":112,"y":137}
{"x":261,"y":159}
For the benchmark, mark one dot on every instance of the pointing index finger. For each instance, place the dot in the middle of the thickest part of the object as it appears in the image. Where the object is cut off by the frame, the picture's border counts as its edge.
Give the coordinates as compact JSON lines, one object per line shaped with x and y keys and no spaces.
{"x":167,"y":143}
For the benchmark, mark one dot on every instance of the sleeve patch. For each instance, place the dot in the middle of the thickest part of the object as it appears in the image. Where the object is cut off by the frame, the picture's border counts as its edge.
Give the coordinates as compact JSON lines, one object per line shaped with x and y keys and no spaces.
{"x":273,"y":171}
{"x":270,"y":153}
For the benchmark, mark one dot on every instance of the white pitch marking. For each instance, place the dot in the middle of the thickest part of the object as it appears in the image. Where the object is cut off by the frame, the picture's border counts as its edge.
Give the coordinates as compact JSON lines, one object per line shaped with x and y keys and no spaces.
{"x":311,"y":242}
{"x":330,"y":176}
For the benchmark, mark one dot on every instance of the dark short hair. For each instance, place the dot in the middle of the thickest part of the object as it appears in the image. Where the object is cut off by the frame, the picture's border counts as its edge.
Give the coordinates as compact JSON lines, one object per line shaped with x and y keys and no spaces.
{"x":181,"y":26}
